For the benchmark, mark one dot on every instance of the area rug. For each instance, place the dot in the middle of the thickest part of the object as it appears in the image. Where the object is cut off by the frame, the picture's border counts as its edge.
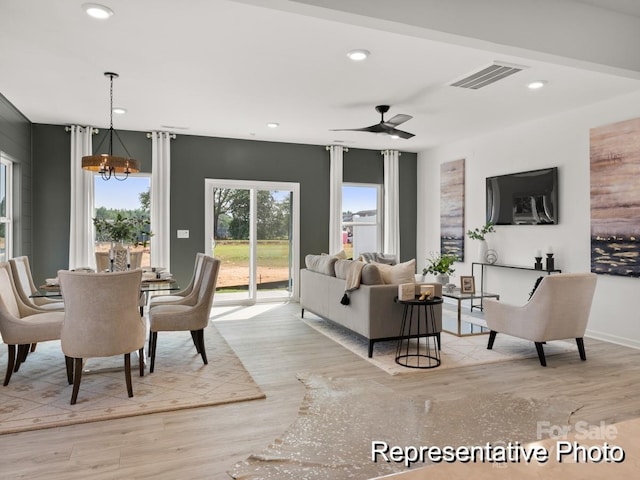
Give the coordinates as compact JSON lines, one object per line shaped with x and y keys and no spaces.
{"x":340,"y":418}
{"x":456,"y":351}
{"x":38,"y":394}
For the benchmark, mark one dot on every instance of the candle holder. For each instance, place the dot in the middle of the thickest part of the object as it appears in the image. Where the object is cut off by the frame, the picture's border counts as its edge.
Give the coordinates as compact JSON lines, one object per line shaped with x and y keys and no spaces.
{"x":538,"y":264}
{"x":550,"y":262}
{"x":111,"y":264}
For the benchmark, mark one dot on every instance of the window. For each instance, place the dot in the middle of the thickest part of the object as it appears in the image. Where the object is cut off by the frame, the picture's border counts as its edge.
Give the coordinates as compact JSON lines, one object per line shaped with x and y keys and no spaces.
{"x":361,"y":218}
{"x":129,"y":198}
{"x":6,"y":208}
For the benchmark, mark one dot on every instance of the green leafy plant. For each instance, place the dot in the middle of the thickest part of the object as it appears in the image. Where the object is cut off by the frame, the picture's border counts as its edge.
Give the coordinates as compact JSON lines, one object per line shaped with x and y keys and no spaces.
{"x":131,"y":230}
{"x":479,"y":233}
{"x":438,"y":264}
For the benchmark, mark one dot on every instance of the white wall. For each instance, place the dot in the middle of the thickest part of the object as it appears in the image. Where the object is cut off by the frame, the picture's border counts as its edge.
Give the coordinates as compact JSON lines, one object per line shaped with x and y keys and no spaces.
{"x":562,"y":141}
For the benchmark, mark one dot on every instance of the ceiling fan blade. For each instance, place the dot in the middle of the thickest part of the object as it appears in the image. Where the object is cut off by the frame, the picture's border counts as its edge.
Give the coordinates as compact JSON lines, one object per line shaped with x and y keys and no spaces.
{"x":400,"y":133}
{"x":377,"y":128}
{"x":398,"y":119}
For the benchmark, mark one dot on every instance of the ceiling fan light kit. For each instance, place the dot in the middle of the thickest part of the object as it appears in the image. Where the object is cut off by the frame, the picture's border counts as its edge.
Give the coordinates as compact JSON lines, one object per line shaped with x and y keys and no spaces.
{"x":387,"y":127}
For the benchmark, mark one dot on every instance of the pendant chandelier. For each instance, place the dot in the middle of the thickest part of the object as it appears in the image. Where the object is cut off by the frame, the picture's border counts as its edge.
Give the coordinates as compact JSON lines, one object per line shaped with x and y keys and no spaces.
{"x":106,"y":164}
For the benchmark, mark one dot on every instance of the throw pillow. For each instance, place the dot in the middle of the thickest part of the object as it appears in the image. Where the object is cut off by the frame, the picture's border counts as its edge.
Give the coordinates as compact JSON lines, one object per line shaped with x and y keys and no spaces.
{"x":340,"y":255}
{"x":324,"y":264}
{"x":342,"y":268}
{"x":371,"y":275}
{"x":400,"y":273}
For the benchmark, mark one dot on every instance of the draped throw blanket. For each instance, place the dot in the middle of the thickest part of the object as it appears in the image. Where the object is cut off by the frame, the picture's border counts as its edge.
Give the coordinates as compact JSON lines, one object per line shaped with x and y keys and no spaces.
{"x":352,"y":282}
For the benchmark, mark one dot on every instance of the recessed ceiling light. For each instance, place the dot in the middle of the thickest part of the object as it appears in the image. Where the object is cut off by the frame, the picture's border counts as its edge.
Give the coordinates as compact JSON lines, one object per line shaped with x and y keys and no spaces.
{"x":537,"y":84}
{"x":358,"y":55}
{"x":119,"y":110}
{"x":395,"y":137}
{"x":98,"y":11}
{"x":273,"y":125}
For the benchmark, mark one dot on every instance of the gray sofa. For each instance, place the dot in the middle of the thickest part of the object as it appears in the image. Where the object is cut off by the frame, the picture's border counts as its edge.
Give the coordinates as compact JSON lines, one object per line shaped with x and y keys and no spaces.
{"x":371,"y":312}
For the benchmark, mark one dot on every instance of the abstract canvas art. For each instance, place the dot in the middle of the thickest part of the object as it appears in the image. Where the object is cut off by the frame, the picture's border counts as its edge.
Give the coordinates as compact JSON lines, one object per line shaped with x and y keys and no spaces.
{"x":615,"y":198}
{"x":452,"y":208}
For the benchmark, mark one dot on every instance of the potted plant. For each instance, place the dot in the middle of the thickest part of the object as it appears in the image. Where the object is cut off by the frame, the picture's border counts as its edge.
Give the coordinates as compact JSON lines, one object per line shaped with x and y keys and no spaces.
{"x":122,"y":229}
{"x":480,"y":234}
{"x":440,"y":265}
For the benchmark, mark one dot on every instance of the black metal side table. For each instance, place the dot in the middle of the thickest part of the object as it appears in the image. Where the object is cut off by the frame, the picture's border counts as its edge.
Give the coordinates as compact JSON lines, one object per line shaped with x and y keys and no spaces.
{"x":416,"y":354}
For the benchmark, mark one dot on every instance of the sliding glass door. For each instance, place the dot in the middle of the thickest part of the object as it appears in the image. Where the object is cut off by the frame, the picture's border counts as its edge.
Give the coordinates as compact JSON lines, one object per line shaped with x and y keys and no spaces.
{"x":253,"y":228}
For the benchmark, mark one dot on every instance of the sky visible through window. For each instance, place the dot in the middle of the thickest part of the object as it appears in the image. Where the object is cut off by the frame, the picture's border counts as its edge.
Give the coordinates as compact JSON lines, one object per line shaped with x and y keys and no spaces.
{"x":356,"y":199}
{"x":120,"y":195}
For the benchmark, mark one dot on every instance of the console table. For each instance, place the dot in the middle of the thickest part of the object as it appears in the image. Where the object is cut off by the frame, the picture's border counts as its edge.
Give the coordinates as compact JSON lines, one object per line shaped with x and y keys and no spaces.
{"x":500,"y":265}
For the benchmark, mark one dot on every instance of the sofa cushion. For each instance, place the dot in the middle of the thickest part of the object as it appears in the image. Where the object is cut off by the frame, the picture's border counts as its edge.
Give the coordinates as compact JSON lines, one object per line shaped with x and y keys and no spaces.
{"x":324,"y":264}
{"x":371,"y":275}
{"x":400,"y":273}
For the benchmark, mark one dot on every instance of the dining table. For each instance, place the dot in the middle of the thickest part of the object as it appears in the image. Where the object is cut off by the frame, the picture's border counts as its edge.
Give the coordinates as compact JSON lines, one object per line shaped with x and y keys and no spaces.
{"x":154,"y":280}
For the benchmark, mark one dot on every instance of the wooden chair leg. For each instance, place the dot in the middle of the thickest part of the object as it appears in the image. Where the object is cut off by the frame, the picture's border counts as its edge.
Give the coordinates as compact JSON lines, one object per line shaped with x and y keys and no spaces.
{"x":201,"y":350}
{"x":141,"y":361}
{"x":11,"y":360}
{"x":127,"y":373}
{"x":492,"y":338}
{"x":194,"y":337}
{"x":69,"y":363}
{"x":540,"y":350}
{"x":23,"y":351}
{"x":77,"y":377}
{"x":33,"y":347}
{"x":153,"y":339}
{"x":583,"y":354}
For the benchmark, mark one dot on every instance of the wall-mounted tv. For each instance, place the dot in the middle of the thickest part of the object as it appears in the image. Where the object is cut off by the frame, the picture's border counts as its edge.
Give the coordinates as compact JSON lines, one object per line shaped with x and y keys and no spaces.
{"x":525,"y":198}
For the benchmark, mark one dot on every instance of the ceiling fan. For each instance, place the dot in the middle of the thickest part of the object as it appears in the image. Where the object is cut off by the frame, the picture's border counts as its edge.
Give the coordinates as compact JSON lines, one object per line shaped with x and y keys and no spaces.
{"x":387,"y":127}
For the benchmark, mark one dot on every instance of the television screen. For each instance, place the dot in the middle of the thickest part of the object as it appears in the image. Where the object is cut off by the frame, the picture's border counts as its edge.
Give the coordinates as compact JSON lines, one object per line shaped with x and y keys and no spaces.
{"x":526,"y":198}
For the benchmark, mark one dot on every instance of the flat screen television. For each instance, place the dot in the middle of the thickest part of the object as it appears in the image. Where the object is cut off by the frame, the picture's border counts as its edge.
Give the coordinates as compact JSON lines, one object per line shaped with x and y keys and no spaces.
{"x":525,"y":198}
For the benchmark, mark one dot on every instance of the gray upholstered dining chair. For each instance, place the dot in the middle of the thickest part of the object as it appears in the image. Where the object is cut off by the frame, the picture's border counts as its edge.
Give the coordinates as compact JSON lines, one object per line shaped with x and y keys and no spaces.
{"x":184,"y":315}
{"x":101,"y":319}
{"x":558,"y":309}
{"x":23,"y":280}
{"x":184,"y":293}
{"x":22,"y":325}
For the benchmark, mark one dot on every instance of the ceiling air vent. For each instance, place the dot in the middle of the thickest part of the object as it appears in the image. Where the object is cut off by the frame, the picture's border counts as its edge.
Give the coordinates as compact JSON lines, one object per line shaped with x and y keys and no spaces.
{"x":487,"y":76}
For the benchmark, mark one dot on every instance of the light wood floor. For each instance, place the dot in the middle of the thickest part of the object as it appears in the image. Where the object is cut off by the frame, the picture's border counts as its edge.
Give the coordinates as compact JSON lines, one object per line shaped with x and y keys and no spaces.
{"x":204,"y":443}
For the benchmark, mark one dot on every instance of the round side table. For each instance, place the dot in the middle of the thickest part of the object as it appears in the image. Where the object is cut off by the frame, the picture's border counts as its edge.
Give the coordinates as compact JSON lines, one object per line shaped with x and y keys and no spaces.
{"x":411,"y":351}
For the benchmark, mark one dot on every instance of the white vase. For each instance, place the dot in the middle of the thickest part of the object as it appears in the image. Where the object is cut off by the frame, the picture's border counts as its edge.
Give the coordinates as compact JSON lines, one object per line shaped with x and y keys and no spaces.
{"x":482,"y":251}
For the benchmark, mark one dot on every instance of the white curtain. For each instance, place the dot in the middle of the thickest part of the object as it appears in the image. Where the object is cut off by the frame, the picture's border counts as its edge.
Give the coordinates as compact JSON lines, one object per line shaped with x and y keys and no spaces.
{"x":160,"y":198}
{"x":335,"y":198}
{"x":391,"y":203}
{"x":81,"y":230}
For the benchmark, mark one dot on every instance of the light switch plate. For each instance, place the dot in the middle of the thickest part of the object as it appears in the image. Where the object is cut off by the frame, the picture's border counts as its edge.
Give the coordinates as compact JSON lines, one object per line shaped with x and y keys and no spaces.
{"x":183,"y":233}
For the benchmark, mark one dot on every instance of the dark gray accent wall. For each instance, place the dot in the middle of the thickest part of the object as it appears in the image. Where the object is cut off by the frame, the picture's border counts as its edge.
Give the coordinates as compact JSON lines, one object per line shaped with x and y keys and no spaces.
{"x":15,"y":141}
{"x":193,"y":159}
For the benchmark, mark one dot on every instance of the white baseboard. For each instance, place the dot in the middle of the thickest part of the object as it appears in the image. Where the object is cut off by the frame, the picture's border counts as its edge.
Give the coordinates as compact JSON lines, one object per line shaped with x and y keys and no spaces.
{"x":606,"y":337}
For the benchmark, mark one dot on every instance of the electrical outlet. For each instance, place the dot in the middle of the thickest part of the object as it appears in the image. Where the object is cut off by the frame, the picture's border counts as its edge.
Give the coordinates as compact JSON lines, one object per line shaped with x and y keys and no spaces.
{"x":183,"y":233}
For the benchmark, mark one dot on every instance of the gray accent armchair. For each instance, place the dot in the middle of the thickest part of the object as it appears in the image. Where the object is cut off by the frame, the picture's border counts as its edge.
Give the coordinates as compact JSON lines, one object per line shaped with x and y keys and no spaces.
{"x":558,"y":309}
